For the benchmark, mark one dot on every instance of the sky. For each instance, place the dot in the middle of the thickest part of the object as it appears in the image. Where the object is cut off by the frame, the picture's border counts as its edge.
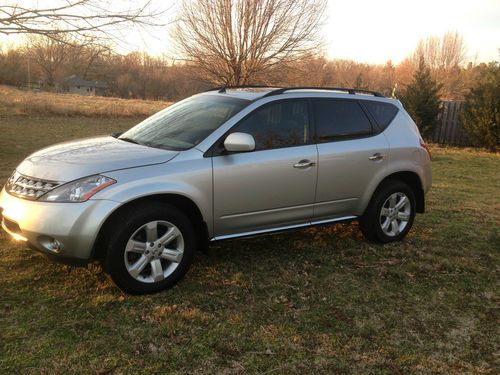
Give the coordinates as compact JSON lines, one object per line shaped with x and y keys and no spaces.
{"x":378,"y":30}
{"x":375,"y":31}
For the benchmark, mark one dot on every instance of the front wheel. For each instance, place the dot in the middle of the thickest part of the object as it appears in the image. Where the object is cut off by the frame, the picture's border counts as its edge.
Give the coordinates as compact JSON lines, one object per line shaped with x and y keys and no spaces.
{"x":390,"y":214}
{"x":150,"y":249}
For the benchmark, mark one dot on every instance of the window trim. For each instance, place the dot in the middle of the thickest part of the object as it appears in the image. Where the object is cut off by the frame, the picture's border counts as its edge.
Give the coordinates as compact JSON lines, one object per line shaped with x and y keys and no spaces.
{"x":217,"y":150}
{"x":374,"y":128}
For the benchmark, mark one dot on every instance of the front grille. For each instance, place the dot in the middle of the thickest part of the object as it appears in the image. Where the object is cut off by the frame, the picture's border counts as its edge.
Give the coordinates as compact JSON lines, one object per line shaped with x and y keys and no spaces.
{"x":29,"y":187}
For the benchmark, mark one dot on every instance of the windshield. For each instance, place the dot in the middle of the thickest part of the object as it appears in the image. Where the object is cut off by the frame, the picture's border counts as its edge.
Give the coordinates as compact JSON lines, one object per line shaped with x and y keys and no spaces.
{"x":185,"y":124}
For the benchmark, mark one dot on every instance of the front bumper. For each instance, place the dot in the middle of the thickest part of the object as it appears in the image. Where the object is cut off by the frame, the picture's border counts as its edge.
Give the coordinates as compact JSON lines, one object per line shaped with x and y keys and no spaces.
{"x":73,"y":226}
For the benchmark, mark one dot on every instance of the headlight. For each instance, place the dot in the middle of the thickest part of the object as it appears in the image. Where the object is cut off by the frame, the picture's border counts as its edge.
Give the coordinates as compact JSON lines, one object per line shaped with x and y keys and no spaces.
{"x":79,"y":190}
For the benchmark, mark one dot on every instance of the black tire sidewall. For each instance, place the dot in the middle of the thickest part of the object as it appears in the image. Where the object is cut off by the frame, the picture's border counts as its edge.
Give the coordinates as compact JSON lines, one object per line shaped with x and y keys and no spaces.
{"x":371,"y":218}
{"x":126,"y":225}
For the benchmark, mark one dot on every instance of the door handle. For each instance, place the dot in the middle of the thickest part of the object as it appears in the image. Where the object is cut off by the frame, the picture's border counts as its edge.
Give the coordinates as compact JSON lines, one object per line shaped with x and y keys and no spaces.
{"x":304,"y":164}
{"x":376,"y":156}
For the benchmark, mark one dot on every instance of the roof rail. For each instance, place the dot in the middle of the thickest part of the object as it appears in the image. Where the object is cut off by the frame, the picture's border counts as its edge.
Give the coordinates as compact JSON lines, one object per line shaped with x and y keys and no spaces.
{"x":222,"y":89}
{"x":348,"y":90}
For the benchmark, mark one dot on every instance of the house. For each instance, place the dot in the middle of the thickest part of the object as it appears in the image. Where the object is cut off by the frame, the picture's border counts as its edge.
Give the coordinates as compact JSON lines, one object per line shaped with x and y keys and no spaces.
{"x":76,"y":85}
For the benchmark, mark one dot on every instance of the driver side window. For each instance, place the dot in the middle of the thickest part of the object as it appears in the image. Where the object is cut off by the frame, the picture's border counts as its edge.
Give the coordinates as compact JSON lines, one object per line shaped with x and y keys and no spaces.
{"x":277,"y":125}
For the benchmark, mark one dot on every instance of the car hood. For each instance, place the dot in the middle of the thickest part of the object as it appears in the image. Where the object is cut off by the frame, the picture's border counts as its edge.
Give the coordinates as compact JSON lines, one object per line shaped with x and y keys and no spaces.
{"x":72,"y":160}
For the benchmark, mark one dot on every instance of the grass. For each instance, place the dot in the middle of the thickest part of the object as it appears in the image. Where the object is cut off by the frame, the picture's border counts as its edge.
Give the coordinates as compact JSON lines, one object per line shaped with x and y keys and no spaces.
{"x":321,"y":300}
{"x":15,"y":102}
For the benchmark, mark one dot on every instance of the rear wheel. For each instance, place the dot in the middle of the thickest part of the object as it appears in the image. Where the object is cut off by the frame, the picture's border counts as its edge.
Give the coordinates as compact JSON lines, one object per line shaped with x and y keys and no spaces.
{"x":390,"y":213}
{"x":150,"y":249}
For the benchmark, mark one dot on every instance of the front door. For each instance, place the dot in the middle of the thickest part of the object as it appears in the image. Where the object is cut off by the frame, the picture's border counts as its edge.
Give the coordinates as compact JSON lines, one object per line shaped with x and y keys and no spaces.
{"x":274,"y":186}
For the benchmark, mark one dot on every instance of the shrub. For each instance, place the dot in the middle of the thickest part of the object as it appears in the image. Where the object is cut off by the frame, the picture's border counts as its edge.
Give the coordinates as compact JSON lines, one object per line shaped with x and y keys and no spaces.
{"x":421,"y":100}
{"x":481,"y":115}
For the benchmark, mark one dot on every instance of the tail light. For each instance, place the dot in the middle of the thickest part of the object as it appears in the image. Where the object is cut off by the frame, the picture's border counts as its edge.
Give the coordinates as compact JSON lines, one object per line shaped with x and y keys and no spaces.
{"x":424,"y":146}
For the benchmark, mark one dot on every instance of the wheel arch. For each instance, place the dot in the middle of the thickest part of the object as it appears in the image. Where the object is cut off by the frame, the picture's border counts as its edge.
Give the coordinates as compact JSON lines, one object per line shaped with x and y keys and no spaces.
{"x":181,"y":202}
{"x":414,"y":181}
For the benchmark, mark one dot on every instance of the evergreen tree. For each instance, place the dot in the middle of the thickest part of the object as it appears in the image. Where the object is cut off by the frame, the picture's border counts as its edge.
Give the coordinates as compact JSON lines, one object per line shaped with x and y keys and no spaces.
{"x":421,"y":100}
{"x":481,"y":116}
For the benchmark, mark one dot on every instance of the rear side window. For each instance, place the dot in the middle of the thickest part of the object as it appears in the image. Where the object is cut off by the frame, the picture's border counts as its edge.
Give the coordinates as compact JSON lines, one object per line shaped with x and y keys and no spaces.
{"x":383,"y":113}
{"x":337,"y":119}
{"x":276,"y":125}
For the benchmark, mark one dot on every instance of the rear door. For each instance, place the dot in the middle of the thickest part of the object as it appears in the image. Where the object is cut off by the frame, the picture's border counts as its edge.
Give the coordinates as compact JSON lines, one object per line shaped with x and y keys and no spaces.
{"x":351,"y":154}
{"x":273,"y":186}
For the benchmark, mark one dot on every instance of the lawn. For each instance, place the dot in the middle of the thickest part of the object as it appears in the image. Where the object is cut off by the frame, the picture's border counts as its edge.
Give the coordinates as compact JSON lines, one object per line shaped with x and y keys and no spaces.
{"x":320,"y":300}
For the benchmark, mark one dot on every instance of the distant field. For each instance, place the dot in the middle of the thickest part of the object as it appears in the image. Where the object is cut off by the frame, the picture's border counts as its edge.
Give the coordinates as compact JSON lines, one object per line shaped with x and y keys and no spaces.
{"x":316,"y":301}
{"x":15,"y":102}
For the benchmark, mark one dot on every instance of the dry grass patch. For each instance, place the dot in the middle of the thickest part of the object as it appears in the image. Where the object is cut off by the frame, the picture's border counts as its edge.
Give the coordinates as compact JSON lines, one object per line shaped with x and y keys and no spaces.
{"x":15,"y":102}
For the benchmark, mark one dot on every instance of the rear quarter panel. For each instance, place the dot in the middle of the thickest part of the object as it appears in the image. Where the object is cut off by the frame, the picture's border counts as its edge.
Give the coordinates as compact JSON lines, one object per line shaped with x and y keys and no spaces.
{"x":405,"y":155}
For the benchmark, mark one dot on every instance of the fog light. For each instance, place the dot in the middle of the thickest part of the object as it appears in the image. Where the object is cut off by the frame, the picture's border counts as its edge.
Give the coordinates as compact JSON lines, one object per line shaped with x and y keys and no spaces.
{"x":55,"y":245}
{"x":50,"y":244}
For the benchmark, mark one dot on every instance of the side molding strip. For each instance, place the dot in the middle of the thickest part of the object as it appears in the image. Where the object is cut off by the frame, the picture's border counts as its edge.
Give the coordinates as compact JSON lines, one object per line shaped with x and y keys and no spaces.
{"x":281,"y":229}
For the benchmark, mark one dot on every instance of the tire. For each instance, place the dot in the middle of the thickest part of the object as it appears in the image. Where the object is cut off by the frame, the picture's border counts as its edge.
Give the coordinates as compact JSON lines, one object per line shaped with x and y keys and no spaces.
{"x":149,"y":248}
{"x":390,"y":213}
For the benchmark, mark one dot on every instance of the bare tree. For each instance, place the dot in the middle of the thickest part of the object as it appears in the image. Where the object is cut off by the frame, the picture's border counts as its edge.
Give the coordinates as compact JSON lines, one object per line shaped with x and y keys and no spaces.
{"x":49,"y":55}
{"x":13,"y":67}
{"x":445,"y":57}
{"x":443,"y":53}
{"x":233,"y":41}
{"x":88,"y":56}
{"x":78,"y":17}
{"x":66,"y":55}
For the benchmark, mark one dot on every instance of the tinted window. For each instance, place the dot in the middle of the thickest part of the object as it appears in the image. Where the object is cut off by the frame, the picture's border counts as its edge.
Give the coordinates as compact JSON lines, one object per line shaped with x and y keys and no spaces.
{"x":276,"y":125}
{"x":186,"y":123}
{"x":383,"y":113}
{"x":338,"y":119}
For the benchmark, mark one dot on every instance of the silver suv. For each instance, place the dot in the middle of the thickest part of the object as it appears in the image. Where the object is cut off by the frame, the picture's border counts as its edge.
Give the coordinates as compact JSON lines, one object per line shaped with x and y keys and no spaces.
{"x":221,"y":164}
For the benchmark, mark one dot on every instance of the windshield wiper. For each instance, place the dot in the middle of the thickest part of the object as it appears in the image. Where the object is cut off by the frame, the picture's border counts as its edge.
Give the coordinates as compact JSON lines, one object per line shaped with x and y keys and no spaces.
{"x":129,"y":140}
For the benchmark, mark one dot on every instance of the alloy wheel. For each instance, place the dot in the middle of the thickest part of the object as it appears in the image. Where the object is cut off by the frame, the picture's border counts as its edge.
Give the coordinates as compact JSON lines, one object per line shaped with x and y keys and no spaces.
{"x":154,"y":251}
{"x":395,"y":214}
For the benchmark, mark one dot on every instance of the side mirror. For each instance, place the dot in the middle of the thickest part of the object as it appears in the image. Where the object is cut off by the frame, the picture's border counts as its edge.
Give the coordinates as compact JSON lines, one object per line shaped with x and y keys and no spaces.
{"x":239,"y":142}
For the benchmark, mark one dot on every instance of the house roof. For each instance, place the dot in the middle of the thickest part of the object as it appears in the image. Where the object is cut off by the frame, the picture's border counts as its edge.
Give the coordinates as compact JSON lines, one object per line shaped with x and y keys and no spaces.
{"x":74,"y":80}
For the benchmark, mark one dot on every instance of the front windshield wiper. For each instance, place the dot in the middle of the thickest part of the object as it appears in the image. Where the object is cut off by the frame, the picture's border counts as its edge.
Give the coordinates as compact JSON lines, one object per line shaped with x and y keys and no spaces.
{"x":129,"y":140}
{"x":163,"y":147}
{"x":149,"y":144}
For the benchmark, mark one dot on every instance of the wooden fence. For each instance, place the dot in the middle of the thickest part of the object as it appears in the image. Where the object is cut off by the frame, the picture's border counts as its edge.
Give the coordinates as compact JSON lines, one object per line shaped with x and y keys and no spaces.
{"x":450,"y":130}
